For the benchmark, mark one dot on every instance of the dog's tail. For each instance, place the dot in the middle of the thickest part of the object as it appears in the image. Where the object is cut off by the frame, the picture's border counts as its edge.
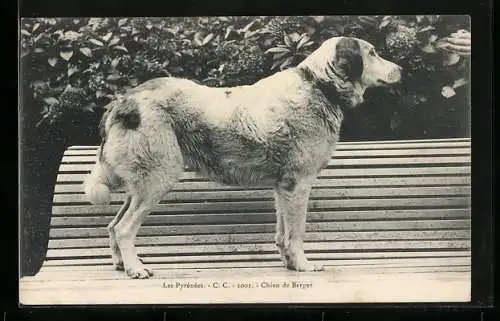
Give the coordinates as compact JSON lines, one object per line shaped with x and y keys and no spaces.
{"x":102,"y":179}
{"x":98,"y":184}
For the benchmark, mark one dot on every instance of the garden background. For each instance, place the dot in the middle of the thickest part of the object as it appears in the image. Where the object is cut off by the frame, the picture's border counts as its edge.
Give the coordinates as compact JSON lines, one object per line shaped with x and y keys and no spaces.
{"x":70,"y":68}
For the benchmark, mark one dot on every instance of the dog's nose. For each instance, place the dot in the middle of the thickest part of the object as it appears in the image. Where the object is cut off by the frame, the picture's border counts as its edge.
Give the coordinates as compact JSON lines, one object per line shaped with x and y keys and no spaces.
{"x":396,"y":74}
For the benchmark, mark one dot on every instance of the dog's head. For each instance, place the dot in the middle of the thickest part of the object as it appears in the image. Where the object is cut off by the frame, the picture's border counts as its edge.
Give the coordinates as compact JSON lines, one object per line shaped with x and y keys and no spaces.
{"x":341,"y":60}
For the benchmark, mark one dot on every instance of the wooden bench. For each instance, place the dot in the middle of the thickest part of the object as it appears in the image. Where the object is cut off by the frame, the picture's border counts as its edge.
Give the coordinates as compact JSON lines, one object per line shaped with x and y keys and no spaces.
{"x":390,"y":220}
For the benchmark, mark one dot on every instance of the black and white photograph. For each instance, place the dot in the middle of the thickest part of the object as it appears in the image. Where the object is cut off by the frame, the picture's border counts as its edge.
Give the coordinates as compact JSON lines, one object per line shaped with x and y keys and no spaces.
{"x":245,"y":159}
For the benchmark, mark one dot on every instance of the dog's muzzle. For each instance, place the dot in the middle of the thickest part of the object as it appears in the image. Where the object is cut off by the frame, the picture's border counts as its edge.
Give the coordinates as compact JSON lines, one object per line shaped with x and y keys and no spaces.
{"x":393,"y":77}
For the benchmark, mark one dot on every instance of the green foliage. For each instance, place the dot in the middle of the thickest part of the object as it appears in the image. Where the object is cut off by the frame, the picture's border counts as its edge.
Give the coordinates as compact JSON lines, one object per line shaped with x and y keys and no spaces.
{"x":79,"y":64}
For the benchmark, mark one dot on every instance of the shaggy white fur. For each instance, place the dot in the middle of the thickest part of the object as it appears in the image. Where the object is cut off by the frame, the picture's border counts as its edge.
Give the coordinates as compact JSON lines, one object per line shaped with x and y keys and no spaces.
{"x":280,"y":131}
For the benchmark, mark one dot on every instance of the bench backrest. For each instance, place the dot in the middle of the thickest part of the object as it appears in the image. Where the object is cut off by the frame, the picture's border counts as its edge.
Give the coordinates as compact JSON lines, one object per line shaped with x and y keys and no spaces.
{"x":375,"y":201}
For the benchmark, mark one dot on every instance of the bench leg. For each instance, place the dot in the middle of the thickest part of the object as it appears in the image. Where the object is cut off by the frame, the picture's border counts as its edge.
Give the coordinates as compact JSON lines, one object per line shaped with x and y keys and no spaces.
{"x":293,"y":206}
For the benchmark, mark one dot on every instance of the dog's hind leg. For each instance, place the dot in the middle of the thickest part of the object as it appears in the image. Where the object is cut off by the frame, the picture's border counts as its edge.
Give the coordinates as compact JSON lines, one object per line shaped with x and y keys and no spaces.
{"x":151,"y":190}
{"x":293,"y":198}
{"x":152,"y":167}
{"x":115,"y":250}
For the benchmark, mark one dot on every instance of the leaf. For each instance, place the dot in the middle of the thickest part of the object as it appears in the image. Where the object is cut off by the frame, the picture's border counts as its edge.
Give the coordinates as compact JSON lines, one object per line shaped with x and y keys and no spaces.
{"x":429,"y":49}
{"x":287,"y":40}
{"x":247,"y":27}
{"x":96,"y":42}
{"x":51,"y":101}
{"x":451,"y":59}
{"x":89,"y":107}
{"x":107,"y":36}
{"x":187,"y":52}
{"x":39,"y":50}
{"x":197,"y":39}
{"x":121,"y":48}
{"x":448,"y":92}
{"x":287,"y":62}
{"x":369,"y":21}
{"x":308,"y":44}
{"x":86,"y":51}
{"x":72,"y":70}
{"x":228,"y":32}
{"x":25,"y":52}
{"x":52,"y":61}
{"x":35,"y":27}
{"x":294,"y":37}
{"x":318,"y":19}
{"x":71,"y":35}
{"x":277,"y":49}
{"x":122,"y":21}
{"x":249,"y":34}
{"x":280,"y":55}
{"x":207,"y":39}
{"x":305,"y":38}
{"x":385,"y":22}
{"x":276,"y":64}
{"x":114,"y":41}
{"x":459,"y":82}
{"x":420,"y":18}
{"x":113,"y":77}
{"x":66,"y":54}
{"x":25,"y":32}
{"x":115,"y":62}
{"x":428,"y":28}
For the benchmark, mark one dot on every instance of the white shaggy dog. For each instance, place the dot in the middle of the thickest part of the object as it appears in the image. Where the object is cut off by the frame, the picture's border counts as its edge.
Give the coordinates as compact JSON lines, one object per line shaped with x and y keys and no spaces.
{"x":279,"y":131}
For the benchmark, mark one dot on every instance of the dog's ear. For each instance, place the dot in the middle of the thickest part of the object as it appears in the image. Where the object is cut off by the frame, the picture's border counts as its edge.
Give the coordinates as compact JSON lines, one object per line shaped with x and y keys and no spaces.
{"x":348,"y":58}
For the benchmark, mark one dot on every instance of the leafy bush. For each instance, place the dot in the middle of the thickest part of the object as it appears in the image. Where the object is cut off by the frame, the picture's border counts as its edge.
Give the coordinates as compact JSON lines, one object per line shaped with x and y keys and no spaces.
{"x":80,"y":64}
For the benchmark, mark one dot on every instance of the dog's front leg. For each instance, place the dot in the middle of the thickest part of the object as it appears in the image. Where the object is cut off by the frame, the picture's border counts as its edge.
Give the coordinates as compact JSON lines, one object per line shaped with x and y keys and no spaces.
{"x":293,"y":198}
{"x":280,"y":226}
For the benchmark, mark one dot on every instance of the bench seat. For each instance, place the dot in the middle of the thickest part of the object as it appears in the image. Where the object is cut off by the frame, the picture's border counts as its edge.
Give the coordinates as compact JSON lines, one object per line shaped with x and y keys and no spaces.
{"x":390,"y":221}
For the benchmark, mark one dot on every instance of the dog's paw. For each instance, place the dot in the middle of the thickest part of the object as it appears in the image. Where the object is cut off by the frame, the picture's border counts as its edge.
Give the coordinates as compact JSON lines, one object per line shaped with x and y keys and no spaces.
{"x":119,"y":266}
{"x":140,"y":272}
{"x":306,"y":266}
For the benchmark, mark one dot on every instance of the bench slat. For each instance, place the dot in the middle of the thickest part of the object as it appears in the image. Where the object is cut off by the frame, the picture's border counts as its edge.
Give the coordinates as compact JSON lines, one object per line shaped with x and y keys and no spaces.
{"x":339,"y":182}
{"x":269,"y":217}
{"x":266,"y":238}
{"x":356,"y":172}
{"x":164,"y":261}
{"x":389,"y":203}
{"x":85,"y":164}
{"x":90,"y":155}
{"x":269,"y":194}
{"x":433,"y":143}
{"x":344,"y":162}
{"x":268,"y":228}
{"x":241,"y":248}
